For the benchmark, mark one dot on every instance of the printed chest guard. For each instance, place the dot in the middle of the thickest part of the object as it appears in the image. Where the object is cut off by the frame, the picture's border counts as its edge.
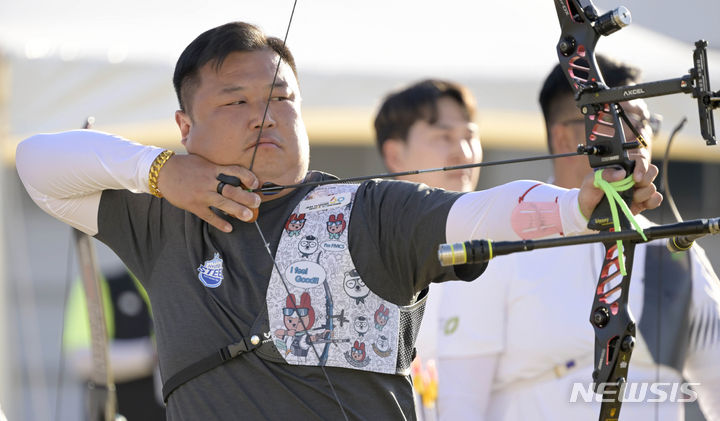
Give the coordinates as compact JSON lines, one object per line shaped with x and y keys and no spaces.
{"x":328,"y":304}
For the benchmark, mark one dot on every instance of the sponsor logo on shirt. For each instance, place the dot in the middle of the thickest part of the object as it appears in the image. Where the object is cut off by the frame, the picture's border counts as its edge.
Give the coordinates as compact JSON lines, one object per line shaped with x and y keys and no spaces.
{"x":210,"y":273}
{"x":451,"y":325}
{"x":325,"y":202}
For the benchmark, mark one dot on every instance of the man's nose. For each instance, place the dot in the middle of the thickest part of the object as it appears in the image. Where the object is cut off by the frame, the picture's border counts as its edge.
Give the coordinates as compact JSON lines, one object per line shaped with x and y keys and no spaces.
{"x":262,"y":116}
{"x":461,"y":150}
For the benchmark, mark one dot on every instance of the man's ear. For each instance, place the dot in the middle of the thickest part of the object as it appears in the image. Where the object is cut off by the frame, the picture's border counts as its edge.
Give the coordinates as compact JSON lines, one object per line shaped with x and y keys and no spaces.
{"x":393,"y":152}
{"x":184,"y":124}
{"x":562,"y":138}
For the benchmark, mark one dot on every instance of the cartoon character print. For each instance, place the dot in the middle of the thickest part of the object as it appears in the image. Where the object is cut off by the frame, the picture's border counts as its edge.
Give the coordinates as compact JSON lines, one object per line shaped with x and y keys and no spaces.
{"x":298,"y":320}
{"x":355,"y":340}
{"x":382,"y":314}
{"x":336,"y":225}
{"x":294,"y":224}
{"x":382,"y":346}
{"x":308,"y":245}
{"x":357,"y":356}
{"x":361,"y":325}
{"x":355,"y":287}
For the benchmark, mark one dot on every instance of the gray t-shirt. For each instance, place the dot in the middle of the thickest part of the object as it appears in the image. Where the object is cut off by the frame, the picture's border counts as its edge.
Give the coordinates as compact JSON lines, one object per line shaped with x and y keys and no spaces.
{"x":394,"y":231}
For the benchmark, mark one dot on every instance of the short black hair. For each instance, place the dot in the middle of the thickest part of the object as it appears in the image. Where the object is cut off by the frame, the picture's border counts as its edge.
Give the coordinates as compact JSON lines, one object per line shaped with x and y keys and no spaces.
{"x":401,"y":109}
{"x":215,"y":45}
{"x":556,"y":89}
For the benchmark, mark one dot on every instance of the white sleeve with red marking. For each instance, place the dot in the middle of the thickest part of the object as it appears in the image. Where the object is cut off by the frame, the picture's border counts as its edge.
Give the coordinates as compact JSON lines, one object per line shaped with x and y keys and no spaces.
{"x":516,"y":211}
{"x":65,"y":173}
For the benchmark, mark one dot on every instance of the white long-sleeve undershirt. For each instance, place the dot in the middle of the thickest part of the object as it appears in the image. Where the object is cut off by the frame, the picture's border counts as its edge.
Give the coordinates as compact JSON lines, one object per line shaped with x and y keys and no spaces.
{"x":65,"y":173}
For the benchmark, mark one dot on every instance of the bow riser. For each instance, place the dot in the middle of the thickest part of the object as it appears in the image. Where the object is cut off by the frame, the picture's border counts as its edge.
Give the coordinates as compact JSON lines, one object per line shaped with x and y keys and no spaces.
{"x":576,"y":53}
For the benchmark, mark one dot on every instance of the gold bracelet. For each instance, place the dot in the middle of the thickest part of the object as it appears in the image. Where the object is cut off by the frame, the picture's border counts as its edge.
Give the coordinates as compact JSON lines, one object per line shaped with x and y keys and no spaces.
{"x":157,"y":164}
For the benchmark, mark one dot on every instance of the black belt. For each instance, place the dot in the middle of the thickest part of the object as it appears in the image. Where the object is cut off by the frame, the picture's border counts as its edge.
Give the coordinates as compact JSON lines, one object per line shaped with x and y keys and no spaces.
{"x":206,"y":364}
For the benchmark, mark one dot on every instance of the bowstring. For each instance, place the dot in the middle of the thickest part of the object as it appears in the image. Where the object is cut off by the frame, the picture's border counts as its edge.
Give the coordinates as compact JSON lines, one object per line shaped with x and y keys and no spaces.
{"x":272,"y":85}
{"x":267,"y":244}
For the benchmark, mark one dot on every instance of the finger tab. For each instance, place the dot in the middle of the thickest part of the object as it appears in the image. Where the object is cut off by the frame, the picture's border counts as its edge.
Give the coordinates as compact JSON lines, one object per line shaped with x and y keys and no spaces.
{"x":255,"y":213}
{"x":235,"y":182}
{"x":229,"y":179}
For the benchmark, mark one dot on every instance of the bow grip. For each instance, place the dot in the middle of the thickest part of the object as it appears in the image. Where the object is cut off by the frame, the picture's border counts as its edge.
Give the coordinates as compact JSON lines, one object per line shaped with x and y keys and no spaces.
{"x":601,"y":218}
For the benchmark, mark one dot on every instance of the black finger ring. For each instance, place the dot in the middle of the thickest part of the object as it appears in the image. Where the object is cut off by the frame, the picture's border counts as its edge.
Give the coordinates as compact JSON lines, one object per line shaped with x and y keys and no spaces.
{"x":220,"y":187}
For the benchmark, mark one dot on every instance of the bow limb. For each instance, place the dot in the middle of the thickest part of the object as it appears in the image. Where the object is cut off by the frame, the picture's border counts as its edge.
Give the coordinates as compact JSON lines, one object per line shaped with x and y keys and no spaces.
{"x":102,"y":405}
{"x":102,"y":402}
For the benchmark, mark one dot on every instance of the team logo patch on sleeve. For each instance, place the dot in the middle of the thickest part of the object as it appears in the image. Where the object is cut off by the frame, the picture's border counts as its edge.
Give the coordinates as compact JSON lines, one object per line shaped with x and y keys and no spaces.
{"x":210,"y":273}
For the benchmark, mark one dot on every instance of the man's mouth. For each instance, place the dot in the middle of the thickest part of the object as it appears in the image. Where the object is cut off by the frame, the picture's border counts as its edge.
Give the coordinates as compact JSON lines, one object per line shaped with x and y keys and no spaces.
{"x":264,"y":142}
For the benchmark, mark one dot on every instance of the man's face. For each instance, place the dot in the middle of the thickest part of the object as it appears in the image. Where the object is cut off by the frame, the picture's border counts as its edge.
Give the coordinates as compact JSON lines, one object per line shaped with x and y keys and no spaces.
{"x":225,"y":115}
{"x":452,"y":140}
{"x":579,"y":167}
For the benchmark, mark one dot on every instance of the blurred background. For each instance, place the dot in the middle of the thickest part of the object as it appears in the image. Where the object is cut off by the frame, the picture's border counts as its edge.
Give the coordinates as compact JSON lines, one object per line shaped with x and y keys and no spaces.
{"x":63,"y":61}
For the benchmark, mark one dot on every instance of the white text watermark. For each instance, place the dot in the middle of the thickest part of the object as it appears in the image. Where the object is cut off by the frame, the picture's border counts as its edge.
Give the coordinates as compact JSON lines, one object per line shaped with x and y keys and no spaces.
{"x":634,"y":392}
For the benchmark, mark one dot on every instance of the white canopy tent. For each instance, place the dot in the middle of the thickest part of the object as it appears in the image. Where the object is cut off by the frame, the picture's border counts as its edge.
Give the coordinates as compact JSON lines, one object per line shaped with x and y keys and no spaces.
{"x":65,"y":64}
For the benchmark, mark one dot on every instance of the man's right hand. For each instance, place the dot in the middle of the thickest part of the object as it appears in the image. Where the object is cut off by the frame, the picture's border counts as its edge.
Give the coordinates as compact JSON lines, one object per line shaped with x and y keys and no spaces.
{"x":189,"y":182}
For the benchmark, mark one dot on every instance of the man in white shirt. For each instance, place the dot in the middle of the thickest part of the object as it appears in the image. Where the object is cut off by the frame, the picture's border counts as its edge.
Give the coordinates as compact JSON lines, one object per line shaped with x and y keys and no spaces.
{"x":518,"y":344}
{"x":430,"y":124}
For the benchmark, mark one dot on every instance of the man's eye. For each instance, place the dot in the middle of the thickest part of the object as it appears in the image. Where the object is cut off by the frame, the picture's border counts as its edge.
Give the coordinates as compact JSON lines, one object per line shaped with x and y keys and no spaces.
{"x":280,"y":98}
{"x":238,"y":102}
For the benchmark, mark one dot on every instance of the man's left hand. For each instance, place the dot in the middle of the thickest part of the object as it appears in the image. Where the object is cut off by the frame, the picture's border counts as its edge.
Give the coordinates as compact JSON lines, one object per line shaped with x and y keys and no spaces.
{"x":645,"y":195}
